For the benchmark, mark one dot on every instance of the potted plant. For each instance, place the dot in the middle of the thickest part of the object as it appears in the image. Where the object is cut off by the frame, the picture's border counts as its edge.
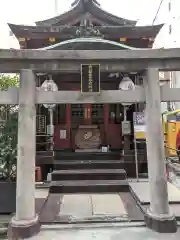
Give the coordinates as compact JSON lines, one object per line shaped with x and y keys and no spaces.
{"x":8,"y":158}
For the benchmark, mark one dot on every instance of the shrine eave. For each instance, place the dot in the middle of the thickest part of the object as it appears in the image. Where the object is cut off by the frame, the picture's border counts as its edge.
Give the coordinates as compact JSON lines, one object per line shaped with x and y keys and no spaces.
{"x":80,"y":9}
{"x":69,"y":32}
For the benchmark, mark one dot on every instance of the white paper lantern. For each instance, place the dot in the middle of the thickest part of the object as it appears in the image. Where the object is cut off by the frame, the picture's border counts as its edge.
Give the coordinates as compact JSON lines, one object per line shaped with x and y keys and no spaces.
{"x":126,"y":84}
{"x":49,"y":86}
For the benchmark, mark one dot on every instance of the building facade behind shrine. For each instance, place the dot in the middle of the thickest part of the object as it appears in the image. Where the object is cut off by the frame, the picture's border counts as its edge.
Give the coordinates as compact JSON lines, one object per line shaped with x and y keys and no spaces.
{"x":86,"y":127}
{"x":168,"y":36}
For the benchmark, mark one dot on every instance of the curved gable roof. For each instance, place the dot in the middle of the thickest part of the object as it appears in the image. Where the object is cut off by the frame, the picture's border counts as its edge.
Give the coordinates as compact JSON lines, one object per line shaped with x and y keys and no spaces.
{"x":80,"y":7}
{"x":88,"y":44}
{"x":77,"y":1}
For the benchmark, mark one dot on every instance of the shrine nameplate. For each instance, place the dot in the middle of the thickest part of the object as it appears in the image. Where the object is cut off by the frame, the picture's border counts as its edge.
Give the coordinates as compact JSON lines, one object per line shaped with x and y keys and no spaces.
{"x":90,"y":78}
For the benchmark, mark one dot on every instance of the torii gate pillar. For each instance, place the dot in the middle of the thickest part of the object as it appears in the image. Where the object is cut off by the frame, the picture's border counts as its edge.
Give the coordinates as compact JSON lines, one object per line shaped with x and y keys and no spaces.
{"x":158,"y":217}
{"x":25,"y":223}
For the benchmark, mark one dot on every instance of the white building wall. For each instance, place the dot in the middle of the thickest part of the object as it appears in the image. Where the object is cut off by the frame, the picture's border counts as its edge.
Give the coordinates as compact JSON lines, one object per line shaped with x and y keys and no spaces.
{"x":168,"y":14}
{"x":169,"y":36}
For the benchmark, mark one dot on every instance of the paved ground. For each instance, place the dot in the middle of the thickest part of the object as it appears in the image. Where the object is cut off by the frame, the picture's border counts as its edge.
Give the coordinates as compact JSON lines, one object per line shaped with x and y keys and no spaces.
{"x":87,"y":205}
{"x":41,"y":193}
{"x":138,"y":233}
{"x":79,"y":206}
{"x":141,"y":189}
{"x":90,"y":207}
{"x":141,"y":192}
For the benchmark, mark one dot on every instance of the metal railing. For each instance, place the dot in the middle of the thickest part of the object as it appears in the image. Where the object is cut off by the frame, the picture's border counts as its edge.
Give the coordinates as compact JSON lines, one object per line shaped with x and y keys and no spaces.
{"x":172,"y":162}
{"x":173,"y":168}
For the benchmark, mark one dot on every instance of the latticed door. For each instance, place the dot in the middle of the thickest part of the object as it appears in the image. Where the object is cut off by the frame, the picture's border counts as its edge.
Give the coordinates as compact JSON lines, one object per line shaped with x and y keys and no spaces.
{"x":87,"y":114}
{"x":77,"y":114}
{"x":81,"y":114}
{"x":97,"y":114}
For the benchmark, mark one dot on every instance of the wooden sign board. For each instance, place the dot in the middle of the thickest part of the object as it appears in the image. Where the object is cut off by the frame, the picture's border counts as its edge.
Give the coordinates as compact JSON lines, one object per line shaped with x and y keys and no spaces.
{"x":90,"y":78}
{"x":40,"y":124}
{"x":63,"y":134}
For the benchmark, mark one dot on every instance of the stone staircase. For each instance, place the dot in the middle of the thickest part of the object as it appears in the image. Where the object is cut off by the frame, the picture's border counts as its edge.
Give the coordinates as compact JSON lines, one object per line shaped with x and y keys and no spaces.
{"x":87,"y":172}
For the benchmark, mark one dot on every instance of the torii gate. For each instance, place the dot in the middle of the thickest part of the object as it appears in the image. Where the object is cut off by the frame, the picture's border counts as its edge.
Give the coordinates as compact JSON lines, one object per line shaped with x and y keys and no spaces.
{"x":29,"y":62}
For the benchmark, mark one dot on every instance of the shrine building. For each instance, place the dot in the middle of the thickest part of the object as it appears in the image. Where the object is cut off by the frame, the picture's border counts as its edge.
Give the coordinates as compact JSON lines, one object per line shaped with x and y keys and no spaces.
{"x":87,"y":127}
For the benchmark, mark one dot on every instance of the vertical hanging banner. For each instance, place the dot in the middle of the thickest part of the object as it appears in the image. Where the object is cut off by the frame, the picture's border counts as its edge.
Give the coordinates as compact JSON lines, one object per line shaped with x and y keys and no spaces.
{"x":90,"y":78}
{"x":139,"y":125}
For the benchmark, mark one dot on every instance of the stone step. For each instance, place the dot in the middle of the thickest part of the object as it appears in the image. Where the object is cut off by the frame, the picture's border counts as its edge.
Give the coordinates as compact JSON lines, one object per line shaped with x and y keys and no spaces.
{"x":60,"y":155}
{"x":89,"y":186}
{"x":88,"y":164}
{"x":44,"y":153}
{"x":89,"y":174}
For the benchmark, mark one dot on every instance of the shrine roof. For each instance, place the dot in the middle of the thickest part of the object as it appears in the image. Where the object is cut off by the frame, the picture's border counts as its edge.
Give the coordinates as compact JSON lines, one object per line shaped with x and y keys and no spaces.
{"x":82,"y":7}
{"x":69,"y":32}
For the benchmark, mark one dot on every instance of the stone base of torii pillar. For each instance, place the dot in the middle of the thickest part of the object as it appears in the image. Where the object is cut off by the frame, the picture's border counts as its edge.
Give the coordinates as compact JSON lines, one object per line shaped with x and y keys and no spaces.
{"x":23,"y":229}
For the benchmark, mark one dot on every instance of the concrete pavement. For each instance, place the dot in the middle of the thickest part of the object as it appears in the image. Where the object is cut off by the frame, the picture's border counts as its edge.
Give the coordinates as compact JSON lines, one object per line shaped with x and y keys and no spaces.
{"x":126,"y":233}
{"x":82,"y":206}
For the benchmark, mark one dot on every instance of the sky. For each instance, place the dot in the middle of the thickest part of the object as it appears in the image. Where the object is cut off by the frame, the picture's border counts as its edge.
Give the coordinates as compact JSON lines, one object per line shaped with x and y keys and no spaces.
{"x":28,"y":11}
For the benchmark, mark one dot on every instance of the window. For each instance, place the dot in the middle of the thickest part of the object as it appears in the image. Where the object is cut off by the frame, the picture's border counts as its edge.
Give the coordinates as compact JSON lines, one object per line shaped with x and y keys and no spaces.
{"x":169,"y":6}
{"x":170,"y":29}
